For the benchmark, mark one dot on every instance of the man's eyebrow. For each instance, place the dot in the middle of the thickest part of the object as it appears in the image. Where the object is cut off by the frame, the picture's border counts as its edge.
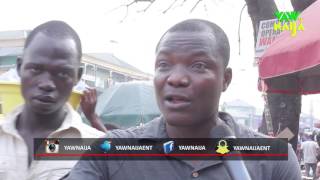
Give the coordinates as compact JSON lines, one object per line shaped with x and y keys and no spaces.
{"x":200,"y":53}
{"x":66,"y":67}
{"x":164,"y":51}
{"x":33,"y":64}
{"x":61,"y":67}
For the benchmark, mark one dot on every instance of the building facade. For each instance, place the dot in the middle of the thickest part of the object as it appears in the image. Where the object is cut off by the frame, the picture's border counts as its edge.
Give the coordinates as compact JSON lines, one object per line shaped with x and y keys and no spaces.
{"x":243,"y":113}
{"x":100,"y":70}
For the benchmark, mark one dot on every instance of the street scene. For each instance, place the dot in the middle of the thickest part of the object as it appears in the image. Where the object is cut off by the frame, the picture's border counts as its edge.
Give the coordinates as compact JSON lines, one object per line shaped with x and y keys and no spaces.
{"x":164,"y":70}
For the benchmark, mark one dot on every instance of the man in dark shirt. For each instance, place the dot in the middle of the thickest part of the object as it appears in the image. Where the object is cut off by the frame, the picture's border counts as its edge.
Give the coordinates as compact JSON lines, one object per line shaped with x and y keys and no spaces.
{"x":190,"y":74}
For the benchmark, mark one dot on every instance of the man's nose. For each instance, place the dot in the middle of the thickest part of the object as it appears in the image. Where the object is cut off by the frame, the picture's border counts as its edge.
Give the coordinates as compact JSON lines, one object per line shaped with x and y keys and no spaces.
{"x":178,"y":78}
{"x":46,"y":82}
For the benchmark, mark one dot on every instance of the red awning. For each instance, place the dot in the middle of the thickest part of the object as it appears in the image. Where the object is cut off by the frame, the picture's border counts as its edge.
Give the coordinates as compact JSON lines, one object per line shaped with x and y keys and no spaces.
{"x":292,"y":64}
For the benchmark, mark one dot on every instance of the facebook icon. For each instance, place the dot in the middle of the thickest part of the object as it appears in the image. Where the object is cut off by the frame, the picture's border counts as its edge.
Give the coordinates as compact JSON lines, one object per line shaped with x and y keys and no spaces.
{"x":168,"y":147}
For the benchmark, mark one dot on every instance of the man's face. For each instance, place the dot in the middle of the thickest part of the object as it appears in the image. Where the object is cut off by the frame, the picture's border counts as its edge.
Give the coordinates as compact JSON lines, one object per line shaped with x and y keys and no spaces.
{"x":189,"y":78}
{"x":48,"y":71}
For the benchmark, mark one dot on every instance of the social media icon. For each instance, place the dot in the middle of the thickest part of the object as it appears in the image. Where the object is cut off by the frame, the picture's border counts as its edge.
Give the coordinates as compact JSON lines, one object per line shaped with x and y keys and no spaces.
{"x":105,"y":146}
{"x":222,"y":147}
{"x":168,"y":147}
{"x":52,"y":146}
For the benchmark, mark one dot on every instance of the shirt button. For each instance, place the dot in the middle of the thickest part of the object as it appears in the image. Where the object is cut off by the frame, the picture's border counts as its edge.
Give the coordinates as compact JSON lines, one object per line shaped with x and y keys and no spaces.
{"x":195,"y":174}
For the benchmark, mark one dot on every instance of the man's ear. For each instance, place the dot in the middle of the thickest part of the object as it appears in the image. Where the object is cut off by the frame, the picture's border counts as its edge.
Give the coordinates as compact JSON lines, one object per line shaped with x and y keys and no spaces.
{"x":19,"y":63}
{"x":227,"y":78}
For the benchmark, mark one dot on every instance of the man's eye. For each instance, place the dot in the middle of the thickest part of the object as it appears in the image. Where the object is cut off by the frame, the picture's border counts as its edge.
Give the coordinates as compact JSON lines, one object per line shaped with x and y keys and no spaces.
{"x":199,"y":66}
{"x":63,"y":75}
{"x":163,"y":66}
{"x":35,"y":70}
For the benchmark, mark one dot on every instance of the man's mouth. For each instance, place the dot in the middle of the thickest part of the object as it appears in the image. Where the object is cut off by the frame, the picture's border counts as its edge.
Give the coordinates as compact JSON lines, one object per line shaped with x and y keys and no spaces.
{"x":45,"y":99}
{"x":177,"y":101}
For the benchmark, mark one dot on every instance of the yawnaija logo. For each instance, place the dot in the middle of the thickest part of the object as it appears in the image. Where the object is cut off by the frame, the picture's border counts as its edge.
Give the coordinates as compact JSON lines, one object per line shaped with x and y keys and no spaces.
{"x":288,"y":21}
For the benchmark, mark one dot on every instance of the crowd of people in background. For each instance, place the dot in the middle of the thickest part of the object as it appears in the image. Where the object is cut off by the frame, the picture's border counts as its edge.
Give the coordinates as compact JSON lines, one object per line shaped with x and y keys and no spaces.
{"x":308,"y":153}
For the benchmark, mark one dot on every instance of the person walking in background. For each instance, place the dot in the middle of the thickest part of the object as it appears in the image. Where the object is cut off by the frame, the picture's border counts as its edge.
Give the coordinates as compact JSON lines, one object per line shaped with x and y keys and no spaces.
{"x":318,"y":168}
{"x":310,"y":150}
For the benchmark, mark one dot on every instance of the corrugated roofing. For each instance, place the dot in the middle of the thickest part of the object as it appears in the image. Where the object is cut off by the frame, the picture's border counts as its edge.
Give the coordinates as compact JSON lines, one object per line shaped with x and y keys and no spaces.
{"x":110,"y":58}
{"x":107,"y":57}
{"x":20,"y":34}
{"x":11,"y":51}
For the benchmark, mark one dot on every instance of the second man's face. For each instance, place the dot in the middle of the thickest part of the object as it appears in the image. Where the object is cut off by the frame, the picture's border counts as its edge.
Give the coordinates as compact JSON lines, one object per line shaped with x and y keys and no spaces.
{"x":189,"y":78}
{"x":48,"y":72}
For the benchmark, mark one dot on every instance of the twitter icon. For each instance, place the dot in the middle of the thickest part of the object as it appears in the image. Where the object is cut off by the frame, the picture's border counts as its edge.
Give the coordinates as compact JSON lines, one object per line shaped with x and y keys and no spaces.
{"x":105,"y":146}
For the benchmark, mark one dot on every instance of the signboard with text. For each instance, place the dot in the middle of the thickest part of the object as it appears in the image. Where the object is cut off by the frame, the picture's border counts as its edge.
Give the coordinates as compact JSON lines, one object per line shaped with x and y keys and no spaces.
{"x":266,"y":35}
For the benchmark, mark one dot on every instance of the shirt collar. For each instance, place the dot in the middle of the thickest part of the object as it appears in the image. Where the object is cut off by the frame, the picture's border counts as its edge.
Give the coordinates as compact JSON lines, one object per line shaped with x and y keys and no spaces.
{"x":71,"y":121}
{"x":8,"y":124}
{"x":157,"y":127}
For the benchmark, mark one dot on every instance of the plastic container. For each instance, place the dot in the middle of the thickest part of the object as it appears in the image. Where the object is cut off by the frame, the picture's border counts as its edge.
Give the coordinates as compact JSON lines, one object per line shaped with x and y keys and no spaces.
{"x":10,"y":97}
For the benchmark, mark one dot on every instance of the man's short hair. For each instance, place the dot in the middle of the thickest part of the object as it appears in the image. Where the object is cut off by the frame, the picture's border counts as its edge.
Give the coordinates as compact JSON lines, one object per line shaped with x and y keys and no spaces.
{"x":55,"y":29}
{"x":198,"y":25}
